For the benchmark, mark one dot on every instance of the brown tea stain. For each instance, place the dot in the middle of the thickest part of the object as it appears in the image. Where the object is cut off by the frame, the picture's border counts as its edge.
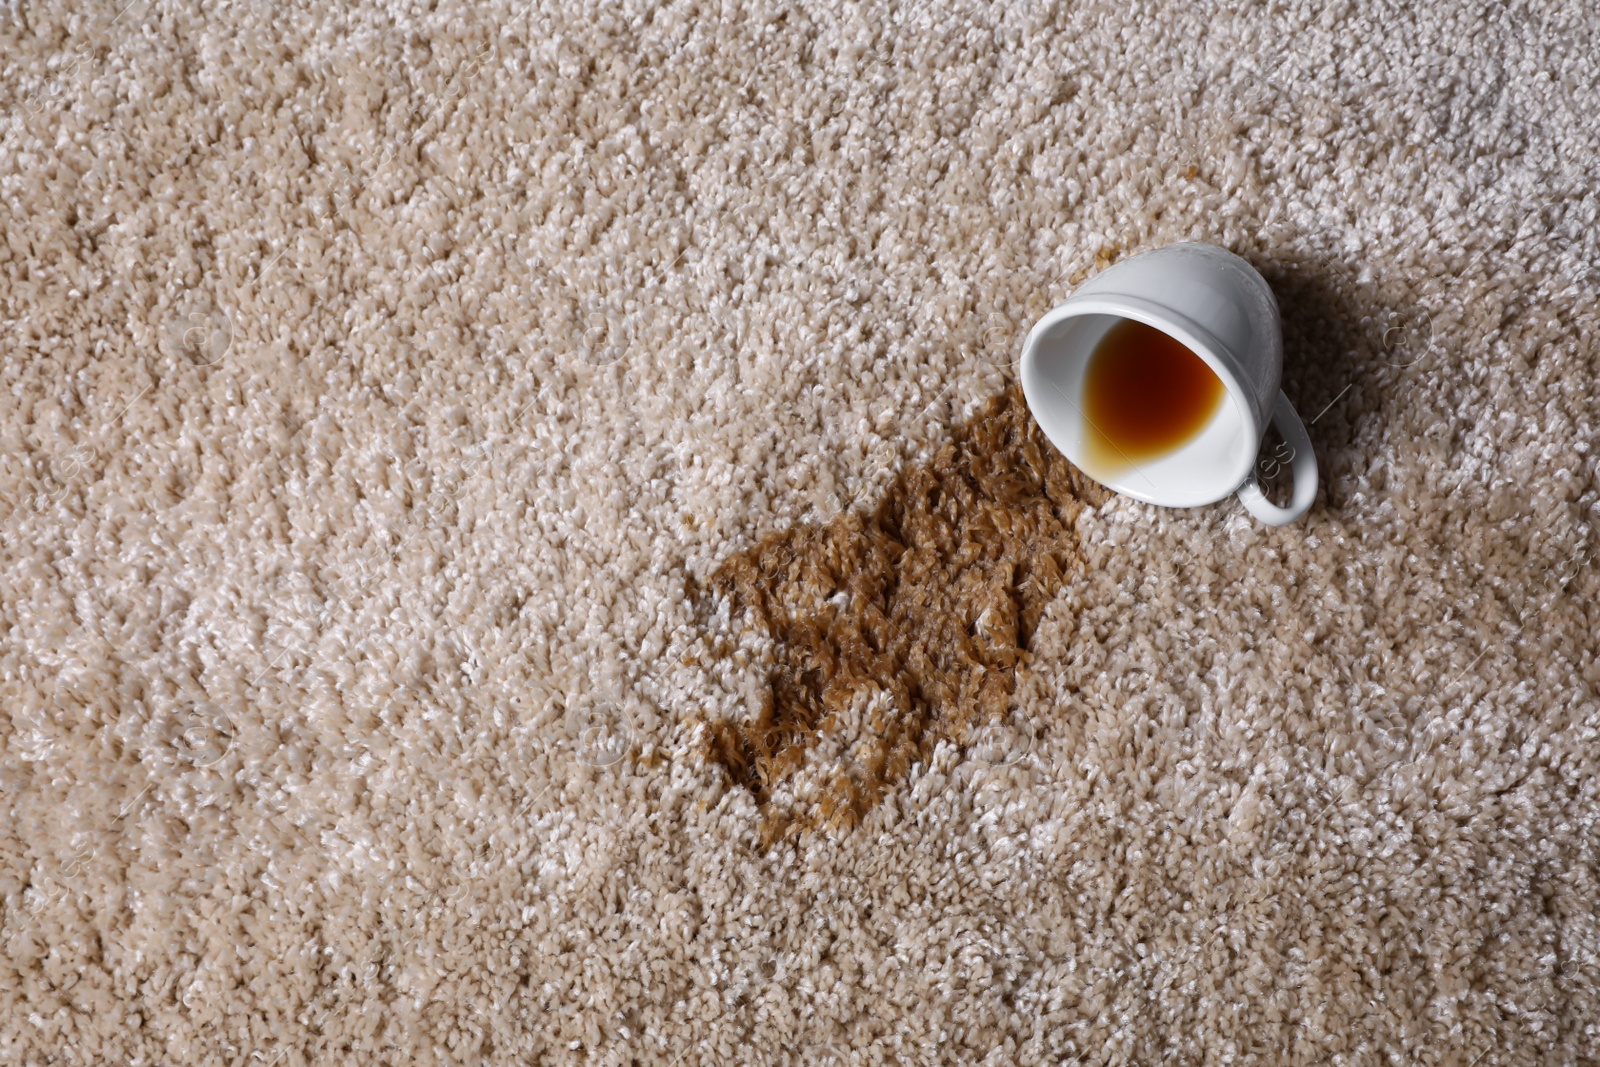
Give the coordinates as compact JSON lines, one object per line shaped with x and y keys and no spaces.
{"x":1105,"y":256}
{"x":903,"y":626}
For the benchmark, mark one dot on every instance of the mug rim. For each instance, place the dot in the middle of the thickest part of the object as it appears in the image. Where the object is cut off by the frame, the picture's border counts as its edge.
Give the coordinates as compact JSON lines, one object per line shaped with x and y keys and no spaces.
{"x":1180,"y":327}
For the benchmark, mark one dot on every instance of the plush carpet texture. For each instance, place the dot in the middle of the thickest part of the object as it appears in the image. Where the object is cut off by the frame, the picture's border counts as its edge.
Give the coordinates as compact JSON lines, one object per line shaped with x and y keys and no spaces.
{"x":519,"y":542}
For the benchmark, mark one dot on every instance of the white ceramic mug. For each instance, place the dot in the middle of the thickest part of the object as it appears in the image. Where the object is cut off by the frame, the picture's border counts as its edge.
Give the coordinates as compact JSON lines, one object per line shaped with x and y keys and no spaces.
{"x":1219,"y":307}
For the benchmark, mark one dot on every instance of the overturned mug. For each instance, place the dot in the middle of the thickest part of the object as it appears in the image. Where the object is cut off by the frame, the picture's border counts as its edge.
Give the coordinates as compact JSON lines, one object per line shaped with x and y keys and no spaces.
{"x":1220,"y":309}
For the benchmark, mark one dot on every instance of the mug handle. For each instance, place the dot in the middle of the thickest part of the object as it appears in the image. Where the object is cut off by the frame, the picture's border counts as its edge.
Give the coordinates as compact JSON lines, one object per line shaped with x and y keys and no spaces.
{"x":1303,"y":462}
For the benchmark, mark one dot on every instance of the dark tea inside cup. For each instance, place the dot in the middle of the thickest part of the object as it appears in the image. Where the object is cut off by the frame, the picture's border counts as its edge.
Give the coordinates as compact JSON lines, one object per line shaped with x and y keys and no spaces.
{"x":1145,"y":394}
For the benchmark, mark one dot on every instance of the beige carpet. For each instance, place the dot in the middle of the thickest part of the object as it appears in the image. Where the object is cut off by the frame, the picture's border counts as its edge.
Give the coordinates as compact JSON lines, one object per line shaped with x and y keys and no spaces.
{"x":406,"y":412}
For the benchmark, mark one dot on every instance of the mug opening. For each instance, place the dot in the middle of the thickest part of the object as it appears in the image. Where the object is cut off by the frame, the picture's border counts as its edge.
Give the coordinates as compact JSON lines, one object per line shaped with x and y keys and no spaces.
{"x":1207,"y":466}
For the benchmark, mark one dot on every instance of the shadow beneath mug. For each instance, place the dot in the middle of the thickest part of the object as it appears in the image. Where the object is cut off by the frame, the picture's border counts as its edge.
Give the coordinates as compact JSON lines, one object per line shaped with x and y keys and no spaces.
{"x":1340,"y":345}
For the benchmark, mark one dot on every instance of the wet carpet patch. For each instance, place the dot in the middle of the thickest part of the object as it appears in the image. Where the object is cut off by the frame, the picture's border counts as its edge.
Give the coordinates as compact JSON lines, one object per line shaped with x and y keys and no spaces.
{"x":901,"y":625}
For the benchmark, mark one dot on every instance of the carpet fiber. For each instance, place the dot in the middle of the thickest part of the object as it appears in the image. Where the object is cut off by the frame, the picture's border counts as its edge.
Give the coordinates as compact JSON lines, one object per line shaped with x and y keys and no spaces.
{"x":519,"y":542}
